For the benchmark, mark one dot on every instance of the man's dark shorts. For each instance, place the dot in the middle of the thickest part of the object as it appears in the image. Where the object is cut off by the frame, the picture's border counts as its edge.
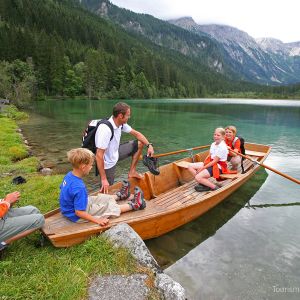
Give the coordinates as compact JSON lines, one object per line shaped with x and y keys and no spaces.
{"x":125,"y":150}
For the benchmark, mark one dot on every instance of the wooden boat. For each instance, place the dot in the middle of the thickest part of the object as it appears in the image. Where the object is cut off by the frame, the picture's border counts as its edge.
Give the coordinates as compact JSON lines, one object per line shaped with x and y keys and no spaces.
{"x":171,"y":201}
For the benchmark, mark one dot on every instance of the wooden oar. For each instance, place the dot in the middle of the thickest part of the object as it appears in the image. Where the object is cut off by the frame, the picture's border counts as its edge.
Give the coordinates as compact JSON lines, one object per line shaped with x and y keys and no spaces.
{"x":180,"y":151}
{"x":269,"y":168}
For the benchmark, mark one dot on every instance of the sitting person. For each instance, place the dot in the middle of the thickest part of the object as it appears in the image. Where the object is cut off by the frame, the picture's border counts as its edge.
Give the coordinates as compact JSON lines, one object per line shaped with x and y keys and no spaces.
{"x":18,"y":222}
{"x":77,"y":206}
{"x":233,"y":143}
{"x":214,"y":164}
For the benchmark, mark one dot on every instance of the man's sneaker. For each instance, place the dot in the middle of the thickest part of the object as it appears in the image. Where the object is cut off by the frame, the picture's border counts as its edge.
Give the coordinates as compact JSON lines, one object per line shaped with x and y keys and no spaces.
{"x":138,"y":202}
{"x":202,"y":188}
{"x":124,"y":192}
{"x":152,"y":164}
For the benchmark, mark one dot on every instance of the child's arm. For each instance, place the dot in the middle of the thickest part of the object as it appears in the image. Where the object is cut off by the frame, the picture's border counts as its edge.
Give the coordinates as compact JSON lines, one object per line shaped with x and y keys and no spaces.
{"x":84,"y":215}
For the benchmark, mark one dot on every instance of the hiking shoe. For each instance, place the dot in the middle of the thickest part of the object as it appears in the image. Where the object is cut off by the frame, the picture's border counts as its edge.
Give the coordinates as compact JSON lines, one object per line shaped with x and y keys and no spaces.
{"x":138,"y":202}
{"x":202,"y":188}
{"x":151,"y":163}
{"x":124,"y":192}
{"x":18,"y":180}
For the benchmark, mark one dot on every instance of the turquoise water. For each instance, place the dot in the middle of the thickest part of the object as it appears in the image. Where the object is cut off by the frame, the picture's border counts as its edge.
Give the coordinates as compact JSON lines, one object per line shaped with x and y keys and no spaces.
{"x":245,"y":248}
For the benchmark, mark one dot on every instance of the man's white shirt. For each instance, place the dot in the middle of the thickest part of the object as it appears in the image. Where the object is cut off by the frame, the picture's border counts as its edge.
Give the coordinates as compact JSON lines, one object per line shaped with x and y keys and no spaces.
{"x":111,"y":147}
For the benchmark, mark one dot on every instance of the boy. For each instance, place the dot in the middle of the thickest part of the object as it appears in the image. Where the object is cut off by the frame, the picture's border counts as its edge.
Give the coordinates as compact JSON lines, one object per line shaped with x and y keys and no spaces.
{"x":77,"y":206}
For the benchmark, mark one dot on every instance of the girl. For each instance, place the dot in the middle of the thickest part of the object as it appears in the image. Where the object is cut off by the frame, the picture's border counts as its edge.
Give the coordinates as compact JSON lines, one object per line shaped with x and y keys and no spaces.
{"x":214,"y":165}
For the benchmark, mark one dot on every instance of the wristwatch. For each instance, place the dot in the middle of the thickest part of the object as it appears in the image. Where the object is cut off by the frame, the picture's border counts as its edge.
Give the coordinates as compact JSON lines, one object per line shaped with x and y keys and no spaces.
{"x":150,"y":144}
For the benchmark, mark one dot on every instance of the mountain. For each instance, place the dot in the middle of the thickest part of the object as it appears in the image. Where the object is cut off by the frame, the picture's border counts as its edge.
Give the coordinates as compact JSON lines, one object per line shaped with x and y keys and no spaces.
{"x":164,"y":34}
{"x":224,"y":49}
{"x":267,"y":61}
{"x":275,"y":46}
{"x":72,"y":51}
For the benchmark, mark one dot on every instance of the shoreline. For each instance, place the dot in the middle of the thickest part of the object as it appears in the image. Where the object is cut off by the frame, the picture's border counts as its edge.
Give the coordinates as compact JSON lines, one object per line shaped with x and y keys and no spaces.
{"x":42,"y":191}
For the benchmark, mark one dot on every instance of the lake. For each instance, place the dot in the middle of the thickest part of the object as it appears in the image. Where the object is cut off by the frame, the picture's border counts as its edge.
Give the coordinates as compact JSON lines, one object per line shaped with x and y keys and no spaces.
{"x":245,"y":248}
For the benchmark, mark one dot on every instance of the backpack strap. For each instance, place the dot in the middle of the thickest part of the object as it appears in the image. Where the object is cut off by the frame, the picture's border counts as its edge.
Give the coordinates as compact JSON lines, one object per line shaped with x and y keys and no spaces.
{"x":234,"y":141}
{"x":106,"y":122}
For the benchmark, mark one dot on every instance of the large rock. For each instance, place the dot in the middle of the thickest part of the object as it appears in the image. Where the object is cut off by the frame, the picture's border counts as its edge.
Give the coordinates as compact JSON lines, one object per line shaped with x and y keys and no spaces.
{"x":119,"y":287}
{"x":170,"y":289}
{"x":124,"y":236}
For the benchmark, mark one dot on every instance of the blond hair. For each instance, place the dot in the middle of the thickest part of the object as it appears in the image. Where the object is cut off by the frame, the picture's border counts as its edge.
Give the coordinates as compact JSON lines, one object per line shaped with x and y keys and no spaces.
{"x":231,"y":128}
{"x":221,"y":130}
{"x":80,"y":156}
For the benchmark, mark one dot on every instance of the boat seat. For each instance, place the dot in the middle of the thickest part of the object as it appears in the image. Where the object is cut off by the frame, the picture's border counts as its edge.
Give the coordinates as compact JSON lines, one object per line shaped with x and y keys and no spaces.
{"x":255,"y":153}
{"x":182,"y":164}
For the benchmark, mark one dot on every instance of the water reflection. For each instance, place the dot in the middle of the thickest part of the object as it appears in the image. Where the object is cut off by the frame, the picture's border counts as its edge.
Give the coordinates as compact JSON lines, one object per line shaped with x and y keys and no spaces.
{"x":174,"y":245}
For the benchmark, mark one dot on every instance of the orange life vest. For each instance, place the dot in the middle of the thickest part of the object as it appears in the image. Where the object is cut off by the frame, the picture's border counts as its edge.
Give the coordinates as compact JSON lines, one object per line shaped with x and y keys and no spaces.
{"x":4,"y":207}
{"x":215,"y":167}
{"x":234,"y":144}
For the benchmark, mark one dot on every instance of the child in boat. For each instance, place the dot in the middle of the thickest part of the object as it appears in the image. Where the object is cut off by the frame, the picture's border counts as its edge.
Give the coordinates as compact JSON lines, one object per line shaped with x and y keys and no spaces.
{"x":233,"y":143}
{"x":77,"y":206}
{"x":214,"y":165}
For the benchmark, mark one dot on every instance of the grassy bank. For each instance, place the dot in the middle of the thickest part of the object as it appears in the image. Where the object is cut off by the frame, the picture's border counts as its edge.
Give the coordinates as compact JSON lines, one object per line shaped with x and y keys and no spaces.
{"x":28,"y":271}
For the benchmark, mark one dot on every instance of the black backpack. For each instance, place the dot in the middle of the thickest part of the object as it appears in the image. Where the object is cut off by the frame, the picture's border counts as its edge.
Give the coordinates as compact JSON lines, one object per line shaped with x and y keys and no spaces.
{"x":243,"y":151}
{"x":88,"y":137}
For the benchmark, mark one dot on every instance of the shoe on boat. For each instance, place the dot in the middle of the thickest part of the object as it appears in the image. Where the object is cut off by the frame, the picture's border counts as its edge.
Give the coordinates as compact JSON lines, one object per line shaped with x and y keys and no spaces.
{"x":124,"y":192}
{"x":202,"y":188}
{"x":138,"y":201}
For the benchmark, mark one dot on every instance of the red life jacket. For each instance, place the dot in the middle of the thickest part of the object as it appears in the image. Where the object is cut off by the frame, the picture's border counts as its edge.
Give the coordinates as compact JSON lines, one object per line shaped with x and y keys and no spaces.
{"x":234,"y":144}
{"x":215,"y":167}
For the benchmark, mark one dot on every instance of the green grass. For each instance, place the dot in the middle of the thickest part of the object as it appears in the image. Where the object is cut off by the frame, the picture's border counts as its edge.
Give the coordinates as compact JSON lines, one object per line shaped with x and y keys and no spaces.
{"x":31,"y":272}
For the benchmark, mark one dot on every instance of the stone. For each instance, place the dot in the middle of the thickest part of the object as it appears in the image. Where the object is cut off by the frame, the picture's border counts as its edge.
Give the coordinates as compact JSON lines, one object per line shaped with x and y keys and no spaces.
{"x":46,"y":171}
{"x":170,"y":289}
{"x":119,"y":287}
{"x":122,"y":235}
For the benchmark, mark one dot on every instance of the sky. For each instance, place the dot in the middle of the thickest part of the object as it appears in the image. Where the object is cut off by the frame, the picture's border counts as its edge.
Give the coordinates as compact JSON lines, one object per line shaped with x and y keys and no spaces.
{"x":278,"y":19}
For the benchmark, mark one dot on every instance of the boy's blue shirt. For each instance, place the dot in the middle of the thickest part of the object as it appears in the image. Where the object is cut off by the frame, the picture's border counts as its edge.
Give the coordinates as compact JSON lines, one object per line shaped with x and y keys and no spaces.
{"x":73,"y":196}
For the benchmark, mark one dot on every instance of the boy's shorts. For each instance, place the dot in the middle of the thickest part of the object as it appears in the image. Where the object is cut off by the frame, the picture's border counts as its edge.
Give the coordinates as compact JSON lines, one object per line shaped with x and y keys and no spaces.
{"x":103,"y":205}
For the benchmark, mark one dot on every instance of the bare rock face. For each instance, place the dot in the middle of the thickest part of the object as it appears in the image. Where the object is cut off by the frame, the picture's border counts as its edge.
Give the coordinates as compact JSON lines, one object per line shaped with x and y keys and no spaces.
{"x":123,"y":235}
{"x":119,"y":287}
{"x":170,"y":289}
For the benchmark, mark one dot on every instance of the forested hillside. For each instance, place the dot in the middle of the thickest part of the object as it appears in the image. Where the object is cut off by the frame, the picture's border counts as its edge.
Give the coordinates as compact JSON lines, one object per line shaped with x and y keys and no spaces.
{"x":57,"y":48}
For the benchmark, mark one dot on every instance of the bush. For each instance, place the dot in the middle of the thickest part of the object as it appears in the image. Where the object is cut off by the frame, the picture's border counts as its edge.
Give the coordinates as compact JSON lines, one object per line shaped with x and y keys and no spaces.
{"x":12,"y":112}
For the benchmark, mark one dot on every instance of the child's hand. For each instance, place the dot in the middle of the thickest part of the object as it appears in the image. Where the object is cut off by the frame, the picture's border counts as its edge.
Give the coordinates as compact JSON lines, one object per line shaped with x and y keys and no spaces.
{"x":102,"y":221}
{"x":12,"y":197}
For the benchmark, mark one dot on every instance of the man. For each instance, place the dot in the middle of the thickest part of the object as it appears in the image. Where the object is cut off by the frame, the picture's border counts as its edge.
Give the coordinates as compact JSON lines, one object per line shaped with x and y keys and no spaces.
{"x":16,"y":223}
{"x":110,"y":151}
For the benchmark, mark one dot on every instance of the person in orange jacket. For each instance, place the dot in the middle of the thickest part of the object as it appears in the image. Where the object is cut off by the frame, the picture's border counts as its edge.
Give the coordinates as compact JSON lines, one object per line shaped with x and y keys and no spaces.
{"x":18,"y":222}
{"x":233,"y":143}
{"x":214,"y":165}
